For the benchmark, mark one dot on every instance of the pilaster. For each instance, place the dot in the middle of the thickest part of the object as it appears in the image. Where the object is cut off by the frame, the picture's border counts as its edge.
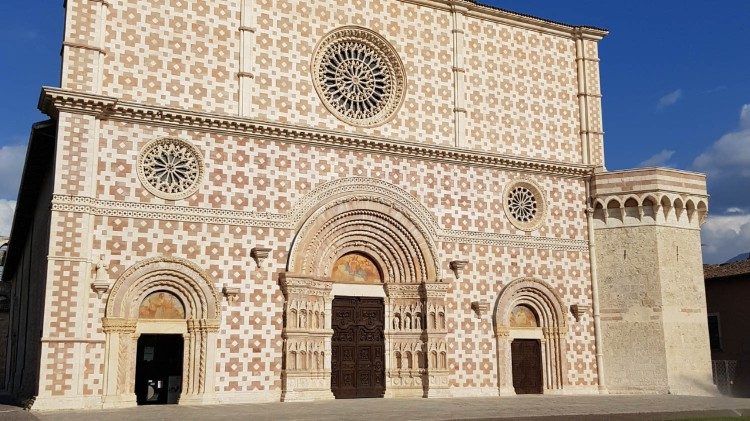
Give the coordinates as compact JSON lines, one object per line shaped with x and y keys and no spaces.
{"x":247,"y":43}
{"x":459,"y":75}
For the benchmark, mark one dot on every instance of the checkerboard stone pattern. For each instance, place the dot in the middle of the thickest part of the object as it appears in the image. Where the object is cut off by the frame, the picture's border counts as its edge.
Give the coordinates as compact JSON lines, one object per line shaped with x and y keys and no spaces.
{"x":521,"y":100}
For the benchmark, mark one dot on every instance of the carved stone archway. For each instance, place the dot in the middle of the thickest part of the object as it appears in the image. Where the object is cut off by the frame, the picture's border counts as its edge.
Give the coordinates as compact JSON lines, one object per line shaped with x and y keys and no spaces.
{"x":122,"y":326}
{"x":387,"y":231}
{"x":548,"y":308}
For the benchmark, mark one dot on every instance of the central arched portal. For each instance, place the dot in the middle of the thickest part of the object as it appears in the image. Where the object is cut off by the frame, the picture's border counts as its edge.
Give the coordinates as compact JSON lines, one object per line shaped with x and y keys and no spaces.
{"x":363,"y":300}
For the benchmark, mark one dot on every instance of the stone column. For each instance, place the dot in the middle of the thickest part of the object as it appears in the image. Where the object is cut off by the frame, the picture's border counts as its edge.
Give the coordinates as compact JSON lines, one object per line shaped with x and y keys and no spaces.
{"x":504,"y":363}
{"x":119,"y":362}
{"x":302,"y":379}
{"x":436,"y":332}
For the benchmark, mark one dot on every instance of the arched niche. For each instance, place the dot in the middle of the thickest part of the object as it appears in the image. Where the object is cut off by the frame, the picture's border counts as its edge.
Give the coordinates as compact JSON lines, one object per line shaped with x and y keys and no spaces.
{"x":166,"y":295}
{"x":525,"y":304}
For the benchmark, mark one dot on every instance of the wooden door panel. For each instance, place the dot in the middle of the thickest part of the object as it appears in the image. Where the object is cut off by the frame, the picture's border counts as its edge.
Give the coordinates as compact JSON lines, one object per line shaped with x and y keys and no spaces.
{"x":526,"y":359}
{"x":358,"y":347}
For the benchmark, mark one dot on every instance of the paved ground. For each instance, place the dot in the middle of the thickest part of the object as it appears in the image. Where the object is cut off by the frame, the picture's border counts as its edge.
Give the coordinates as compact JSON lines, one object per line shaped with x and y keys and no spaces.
{"x":526,"y":407}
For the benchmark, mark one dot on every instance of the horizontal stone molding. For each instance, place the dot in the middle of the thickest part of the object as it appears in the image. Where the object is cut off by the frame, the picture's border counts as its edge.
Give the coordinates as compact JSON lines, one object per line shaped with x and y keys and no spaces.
{"x":496,"y":14}
{"x":54,"y":100}
{"x":111,"y":208}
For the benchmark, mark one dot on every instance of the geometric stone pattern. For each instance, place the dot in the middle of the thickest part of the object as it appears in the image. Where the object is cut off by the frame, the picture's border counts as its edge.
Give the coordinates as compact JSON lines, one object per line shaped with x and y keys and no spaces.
{"x":520,"y":91}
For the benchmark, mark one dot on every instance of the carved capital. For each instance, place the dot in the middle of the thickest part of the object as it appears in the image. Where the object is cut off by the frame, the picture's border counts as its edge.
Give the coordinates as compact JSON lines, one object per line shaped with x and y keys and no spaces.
{"x":480,"y":307}
{"x":579,"y":310}
{"x":231,"y":293}
{"x":118,"y":325}
{"x":457,"y":266}
{"x":259,"y":254}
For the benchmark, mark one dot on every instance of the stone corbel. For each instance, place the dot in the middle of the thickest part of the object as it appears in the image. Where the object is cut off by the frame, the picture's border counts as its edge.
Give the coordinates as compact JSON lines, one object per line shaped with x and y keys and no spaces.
{"x":100,"y":285}
{"x":579,"y":310}
{"x":480,"y":307}
{"x":231,"y":293}
{"x":458,"y":266}
{"x":259,"y":254}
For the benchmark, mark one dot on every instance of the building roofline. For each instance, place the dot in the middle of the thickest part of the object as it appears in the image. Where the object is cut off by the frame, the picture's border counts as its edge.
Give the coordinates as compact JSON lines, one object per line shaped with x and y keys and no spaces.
{"x":593,"y":29}
{"x":38,"y":149}
{"x":481,"y":10}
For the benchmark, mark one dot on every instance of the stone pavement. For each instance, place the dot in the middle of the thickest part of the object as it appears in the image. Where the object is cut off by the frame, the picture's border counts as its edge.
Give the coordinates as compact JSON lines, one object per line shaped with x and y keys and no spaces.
{"x":526,"y":407}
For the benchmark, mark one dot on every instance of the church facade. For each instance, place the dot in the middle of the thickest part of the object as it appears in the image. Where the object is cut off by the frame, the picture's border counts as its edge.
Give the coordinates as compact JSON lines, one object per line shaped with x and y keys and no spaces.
{"x":282,"y":200}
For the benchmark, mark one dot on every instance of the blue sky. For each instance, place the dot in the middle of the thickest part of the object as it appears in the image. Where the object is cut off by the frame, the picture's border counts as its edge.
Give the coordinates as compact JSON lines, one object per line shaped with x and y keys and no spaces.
{"x":675,"y":78}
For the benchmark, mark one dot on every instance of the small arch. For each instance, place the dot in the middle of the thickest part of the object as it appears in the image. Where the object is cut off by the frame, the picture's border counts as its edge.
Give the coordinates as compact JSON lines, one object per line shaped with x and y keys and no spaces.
{"x":545,"y":305}
{"x":292,"y":362}
{"x":397,"y":322}
{"x":443,"y":360}
{"x":613,"y":204}
{"x":631,"y":202}
{"x":409,"y":360}
{"x":397,"y":355}
{"x":407,"y":321}
{"x":433,"y":359}
{"x":293,"y":318}
{"x":441,"y":321}
{"x":418,"y":321}
{"x":146,"y":287}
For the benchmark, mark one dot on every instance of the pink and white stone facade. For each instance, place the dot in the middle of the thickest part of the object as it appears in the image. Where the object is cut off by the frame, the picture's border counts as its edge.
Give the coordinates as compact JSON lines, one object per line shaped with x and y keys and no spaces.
{"x":491,"y":98}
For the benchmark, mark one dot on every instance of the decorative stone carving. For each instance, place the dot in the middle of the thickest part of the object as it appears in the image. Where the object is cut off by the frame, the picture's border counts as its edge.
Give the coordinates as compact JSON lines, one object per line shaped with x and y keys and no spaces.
{"x":101,"y":279}
{"x":542,"y":300}
{"x":524,"y":204}
{"x":259,"y":254}
{"x":231,"y":293}
{"x":457,"y":266}
{"x":358,"y":76}
{"x":480,"y":307}
{"x":170,"y":168}
{"x":579,"y":310}
{"x":195,"y":290}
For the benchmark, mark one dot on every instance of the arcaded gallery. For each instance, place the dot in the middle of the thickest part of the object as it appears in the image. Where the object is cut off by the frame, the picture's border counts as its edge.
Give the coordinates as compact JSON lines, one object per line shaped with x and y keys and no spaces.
{"x":291,"y":200}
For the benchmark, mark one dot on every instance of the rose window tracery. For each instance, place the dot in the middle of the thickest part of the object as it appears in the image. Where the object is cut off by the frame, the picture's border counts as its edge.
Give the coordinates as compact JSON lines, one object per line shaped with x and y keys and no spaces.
{"x":358,"y":76}
{"x":524,"y":204}
{"x":170,"y":168}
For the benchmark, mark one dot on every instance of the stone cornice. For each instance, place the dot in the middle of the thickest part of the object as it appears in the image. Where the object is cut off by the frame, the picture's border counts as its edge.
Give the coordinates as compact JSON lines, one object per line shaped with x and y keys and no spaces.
{"x":110,"y":208}
{"x":53,"y":100}
{"x":496,"y":14}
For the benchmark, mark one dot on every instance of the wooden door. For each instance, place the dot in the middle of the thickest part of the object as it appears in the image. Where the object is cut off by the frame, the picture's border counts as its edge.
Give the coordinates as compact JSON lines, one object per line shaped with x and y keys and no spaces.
{"x":526,"y":356}
{"x":357,"y":348}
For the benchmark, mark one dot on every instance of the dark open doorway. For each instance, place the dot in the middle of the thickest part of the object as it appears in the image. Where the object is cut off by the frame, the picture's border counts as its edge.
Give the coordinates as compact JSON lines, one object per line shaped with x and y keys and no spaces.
{"x":526,"y":356}
{"x":358,"y":348}
{"x":158,"y":370}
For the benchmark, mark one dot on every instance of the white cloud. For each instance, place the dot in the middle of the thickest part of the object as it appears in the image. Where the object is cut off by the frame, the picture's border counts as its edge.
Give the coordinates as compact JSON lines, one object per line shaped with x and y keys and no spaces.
{"x":725,"y":236}
{"x":658,"y":160}
{"x":727,"y":164}
{"x":11,"y":165}
{"x":745,"y":116}
{"x":7,"y":207}
{"x":669,"y":99}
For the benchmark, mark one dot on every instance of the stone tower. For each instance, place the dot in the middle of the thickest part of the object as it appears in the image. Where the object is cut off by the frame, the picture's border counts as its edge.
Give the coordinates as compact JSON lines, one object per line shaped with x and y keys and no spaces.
{"x":652,"y":299}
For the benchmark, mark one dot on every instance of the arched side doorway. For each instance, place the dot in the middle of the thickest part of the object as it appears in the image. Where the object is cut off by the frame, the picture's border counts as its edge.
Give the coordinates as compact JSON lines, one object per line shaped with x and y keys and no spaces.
{"x":161,"y":296}
{"x":388,"y":235}
{"x":530,"y":327}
